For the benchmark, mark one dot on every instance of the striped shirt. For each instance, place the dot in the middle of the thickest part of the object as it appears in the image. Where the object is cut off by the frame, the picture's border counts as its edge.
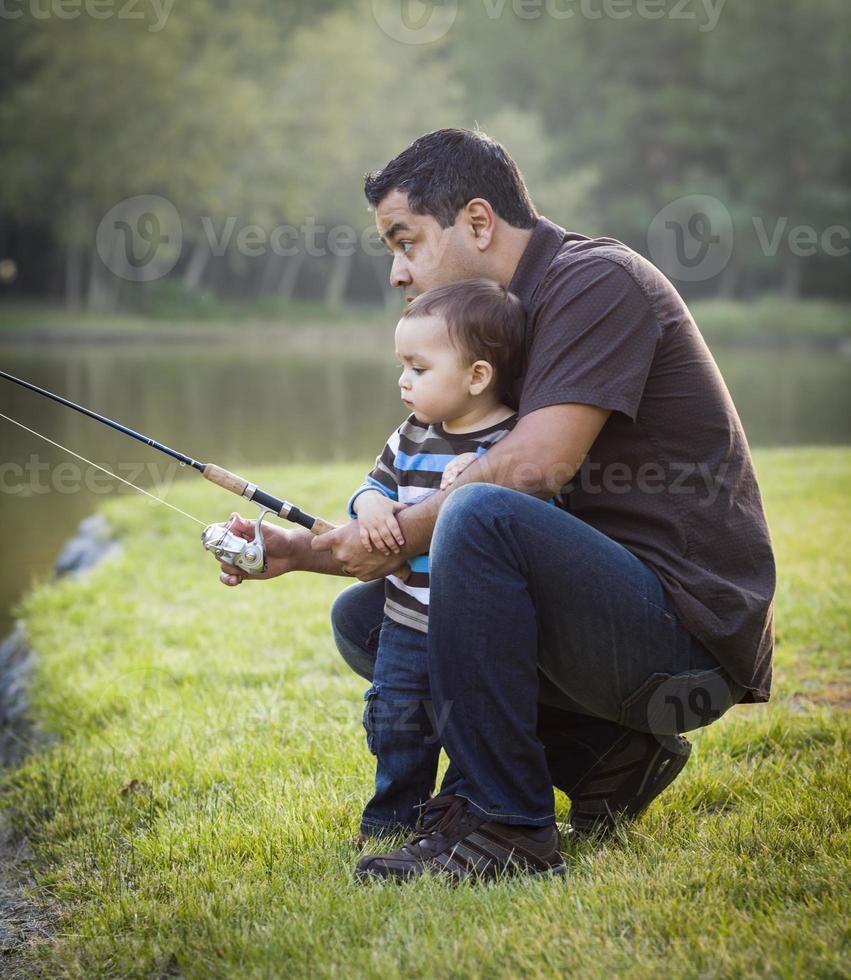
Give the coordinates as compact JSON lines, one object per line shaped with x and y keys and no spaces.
{"x":409,"y":470}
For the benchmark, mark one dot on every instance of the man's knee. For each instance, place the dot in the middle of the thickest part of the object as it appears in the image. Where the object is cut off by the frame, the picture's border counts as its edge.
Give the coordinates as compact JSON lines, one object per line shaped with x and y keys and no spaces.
{"x":355,"y":625}
{"x":473,"y":504}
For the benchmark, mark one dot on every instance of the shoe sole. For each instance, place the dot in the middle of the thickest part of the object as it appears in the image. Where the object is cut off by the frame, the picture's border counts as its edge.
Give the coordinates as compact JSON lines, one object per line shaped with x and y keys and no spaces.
{"x":365,"y":875}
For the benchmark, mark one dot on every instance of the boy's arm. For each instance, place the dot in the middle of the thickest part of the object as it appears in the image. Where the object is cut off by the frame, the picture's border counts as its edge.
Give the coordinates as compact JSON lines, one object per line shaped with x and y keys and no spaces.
{"x":538,"y":457}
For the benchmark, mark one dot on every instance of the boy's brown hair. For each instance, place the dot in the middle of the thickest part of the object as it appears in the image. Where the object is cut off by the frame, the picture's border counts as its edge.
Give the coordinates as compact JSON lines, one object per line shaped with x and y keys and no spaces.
{"x":485,"y":323}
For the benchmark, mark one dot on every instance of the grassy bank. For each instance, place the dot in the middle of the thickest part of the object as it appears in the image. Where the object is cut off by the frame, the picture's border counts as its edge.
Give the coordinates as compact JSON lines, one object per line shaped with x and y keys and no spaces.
{"x":192,"y":815}
{"x":766,"y":320}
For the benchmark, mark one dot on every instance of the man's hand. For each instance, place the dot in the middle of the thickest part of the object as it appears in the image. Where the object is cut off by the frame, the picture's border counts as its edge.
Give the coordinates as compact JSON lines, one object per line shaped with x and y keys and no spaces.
{"x":345,"y":545}
{"x":281,"y":550}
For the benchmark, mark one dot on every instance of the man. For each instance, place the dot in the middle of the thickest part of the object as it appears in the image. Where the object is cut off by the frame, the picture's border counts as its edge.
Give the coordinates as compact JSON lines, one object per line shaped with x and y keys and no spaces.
{"x":567,"y":646}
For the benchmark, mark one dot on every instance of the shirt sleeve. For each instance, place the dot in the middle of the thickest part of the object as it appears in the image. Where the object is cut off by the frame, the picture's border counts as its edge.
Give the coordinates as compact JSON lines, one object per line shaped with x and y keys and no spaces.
{"x":382,"y":477}
{"x":594,"y":340}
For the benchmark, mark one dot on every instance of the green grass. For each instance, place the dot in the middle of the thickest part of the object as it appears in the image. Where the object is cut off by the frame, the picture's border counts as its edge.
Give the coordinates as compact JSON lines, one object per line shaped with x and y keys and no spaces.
{"x":205,"y":315}
{"x":772,"y":317}
{"x":170,"y":311}
{"x":241,"y":725}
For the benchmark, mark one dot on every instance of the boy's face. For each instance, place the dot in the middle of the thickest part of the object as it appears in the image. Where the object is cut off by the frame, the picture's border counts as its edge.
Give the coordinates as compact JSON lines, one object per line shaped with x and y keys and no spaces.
{"x":424,"y":254}
{"x":435,"y":384}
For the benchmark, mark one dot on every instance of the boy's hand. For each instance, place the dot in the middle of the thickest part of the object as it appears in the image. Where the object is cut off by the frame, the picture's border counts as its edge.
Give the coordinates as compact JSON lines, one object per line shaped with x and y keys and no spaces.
{"x":455,"y":468}
{"x":378,"y":527}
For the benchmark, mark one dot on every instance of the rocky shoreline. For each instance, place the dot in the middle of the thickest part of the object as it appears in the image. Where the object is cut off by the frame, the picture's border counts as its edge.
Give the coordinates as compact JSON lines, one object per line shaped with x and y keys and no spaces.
{"x":22,"y":920}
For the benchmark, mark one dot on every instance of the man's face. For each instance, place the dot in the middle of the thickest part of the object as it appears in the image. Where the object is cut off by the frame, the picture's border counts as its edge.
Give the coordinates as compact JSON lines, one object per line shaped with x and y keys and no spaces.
{"x":424,"y":254}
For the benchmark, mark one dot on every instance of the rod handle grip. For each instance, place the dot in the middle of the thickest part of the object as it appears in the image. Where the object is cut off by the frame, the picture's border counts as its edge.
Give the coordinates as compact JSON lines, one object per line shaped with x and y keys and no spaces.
{"x":321,"y":527}
{"x":225,"y":479}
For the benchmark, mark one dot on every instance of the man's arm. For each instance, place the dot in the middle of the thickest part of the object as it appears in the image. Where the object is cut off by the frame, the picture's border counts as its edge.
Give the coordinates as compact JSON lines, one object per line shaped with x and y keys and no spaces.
{"x":540,"y":455}
{"x":286,"y":551}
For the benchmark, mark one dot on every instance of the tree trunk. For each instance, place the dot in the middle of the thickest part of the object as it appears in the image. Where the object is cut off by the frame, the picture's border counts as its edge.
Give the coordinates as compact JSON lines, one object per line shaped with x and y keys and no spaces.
{"x":292,"y":267}
{"x":792,"y":269}
{"x":730,"y":279}
{"x":270,"y":273}
{"x":335,"y":289}
{"x":73,"y":276}
{"x":390,"y":294}
{"x":74,"y":257}
{"x":104,"y":282}
{"x":193,"y":275}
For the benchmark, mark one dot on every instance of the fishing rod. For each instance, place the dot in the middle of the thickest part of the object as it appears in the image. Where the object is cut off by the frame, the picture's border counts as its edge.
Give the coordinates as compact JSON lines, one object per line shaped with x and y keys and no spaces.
{"x":218,"y":539}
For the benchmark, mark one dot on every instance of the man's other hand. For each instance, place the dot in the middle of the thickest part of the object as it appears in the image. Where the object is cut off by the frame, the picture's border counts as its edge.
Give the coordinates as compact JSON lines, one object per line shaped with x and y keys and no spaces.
{"x":344,"y":543}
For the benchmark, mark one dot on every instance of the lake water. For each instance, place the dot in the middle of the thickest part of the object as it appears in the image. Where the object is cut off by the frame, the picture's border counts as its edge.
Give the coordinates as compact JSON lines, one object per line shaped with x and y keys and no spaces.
{"x":259,"y":404}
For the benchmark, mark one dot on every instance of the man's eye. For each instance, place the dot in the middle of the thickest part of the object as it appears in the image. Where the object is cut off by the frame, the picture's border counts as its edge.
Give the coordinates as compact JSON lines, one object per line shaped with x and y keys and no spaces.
{"x":406,"y":246}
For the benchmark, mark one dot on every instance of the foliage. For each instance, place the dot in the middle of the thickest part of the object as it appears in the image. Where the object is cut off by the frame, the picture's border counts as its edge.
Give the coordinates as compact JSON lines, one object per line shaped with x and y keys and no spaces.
{"x":270,"y":113}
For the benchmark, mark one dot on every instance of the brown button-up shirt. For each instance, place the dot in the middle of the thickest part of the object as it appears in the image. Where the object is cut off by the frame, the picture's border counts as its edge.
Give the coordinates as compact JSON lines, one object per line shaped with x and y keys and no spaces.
{"x":670,"y":476}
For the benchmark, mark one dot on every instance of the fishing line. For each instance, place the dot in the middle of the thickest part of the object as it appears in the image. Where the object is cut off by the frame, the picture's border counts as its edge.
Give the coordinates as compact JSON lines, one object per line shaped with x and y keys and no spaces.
{"x":224,"y":544}
{"x":102,"y":469}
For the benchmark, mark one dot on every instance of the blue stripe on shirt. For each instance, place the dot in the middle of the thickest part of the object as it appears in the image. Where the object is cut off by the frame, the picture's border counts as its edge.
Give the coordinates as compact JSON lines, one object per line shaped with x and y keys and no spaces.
{"x":430,"y":462}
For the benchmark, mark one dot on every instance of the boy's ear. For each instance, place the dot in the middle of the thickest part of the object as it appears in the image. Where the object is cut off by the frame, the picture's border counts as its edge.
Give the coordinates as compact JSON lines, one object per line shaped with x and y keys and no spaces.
{"x":481,"y":375}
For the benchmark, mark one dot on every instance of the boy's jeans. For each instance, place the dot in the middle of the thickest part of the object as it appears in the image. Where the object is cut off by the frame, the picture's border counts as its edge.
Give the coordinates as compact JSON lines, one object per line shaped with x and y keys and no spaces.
{"x":529,"y":604}
{"x":400,"y":730}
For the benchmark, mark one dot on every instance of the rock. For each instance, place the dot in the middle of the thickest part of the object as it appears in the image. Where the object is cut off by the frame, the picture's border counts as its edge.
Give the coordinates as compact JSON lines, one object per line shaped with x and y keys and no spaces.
{"x":89,"y":547}
{"x":21,"y":918}
{"x":16,"y":665}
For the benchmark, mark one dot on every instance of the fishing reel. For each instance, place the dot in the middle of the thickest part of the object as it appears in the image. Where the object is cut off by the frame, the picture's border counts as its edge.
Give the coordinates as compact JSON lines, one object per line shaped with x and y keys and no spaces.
{"x":226,"y":546}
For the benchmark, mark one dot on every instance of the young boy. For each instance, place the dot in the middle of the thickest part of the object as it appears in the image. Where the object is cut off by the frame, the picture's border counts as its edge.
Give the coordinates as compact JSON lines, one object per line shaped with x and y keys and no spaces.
{"x":460,"y":347}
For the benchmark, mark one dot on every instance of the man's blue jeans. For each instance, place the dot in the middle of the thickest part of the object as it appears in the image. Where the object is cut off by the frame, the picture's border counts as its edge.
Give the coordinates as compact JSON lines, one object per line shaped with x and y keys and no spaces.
{"x":530,"y":604}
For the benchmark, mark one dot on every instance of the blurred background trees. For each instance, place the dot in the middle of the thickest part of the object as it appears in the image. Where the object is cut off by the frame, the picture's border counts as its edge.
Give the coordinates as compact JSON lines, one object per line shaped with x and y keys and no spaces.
{"x":260,"y":119}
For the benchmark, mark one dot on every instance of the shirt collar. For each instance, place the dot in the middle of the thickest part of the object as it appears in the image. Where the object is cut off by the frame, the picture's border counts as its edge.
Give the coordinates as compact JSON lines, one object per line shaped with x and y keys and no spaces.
{"x":547,"y":238}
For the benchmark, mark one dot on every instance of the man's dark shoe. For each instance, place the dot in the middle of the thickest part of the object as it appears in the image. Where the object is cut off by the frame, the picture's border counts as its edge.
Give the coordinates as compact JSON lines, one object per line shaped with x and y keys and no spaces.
{"x":452,"y":841}
{"x":611,"y":774}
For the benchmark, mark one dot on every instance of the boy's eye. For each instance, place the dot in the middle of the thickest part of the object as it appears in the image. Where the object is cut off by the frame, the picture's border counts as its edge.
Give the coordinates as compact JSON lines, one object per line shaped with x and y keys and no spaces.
{"x":418,"y":370}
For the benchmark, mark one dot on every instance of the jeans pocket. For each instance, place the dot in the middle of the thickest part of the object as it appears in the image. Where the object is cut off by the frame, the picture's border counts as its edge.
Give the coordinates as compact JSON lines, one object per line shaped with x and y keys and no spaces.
{"x":369,"y":721}
{"x":667,"y":704}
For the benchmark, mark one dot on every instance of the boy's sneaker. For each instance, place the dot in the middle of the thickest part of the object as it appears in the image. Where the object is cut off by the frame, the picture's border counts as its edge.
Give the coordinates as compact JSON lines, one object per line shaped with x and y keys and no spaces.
{"x":453,"y":841}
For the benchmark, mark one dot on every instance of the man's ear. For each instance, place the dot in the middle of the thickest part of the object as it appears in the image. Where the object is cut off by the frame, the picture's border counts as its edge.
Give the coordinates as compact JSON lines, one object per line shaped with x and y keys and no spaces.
{"x":481,"y":375}
{"x":479,"y":217}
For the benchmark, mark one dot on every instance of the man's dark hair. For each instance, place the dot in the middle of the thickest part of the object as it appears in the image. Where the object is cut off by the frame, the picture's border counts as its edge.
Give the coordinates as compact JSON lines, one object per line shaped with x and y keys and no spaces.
{"x":485,"y":323}
{"x":444,"y":170}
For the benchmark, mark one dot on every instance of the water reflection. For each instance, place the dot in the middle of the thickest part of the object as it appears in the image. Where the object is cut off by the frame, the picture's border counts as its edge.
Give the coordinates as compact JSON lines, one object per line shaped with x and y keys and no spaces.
{"x":249,"y":406}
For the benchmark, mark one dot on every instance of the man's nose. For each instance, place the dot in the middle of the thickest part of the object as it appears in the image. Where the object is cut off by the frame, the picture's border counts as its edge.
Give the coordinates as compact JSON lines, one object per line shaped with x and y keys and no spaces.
{"x":399,"y":273}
